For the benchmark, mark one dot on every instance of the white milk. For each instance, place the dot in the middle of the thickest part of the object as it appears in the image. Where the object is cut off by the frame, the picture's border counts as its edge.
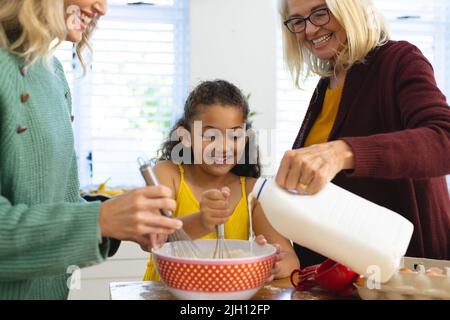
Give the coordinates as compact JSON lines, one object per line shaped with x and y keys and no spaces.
{"x":367,"y":238}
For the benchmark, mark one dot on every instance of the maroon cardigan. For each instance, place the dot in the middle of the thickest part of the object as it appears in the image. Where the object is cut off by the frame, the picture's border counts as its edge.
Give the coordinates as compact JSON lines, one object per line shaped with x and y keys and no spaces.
{"x":397,"y":122}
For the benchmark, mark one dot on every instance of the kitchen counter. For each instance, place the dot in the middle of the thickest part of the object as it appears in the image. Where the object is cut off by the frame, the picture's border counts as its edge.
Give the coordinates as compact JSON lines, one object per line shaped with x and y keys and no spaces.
{"x":276,"y":290}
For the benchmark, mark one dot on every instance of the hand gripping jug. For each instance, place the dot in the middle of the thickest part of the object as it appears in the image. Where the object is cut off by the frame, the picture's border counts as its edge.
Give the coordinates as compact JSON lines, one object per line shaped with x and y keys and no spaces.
{"x":365,"y":237}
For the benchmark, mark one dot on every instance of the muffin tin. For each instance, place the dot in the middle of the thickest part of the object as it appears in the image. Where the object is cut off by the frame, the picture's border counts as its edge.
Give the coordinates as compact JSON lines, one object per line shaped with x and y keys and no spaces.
{"x":417,"y":279}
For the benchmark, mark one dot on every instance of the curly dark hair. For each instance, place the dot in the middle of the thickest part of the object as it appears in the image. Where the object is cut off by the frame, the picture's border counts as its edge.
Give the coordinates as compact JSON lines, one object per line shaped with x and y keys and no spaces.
{"x":206,"y":94}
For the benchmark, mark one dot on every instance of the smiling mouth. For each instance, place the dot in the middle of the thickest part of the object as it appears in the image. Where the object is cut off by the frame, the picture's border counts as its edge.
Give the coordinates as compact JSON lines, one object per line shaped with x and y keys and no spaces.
{"x":322,"y":40}
{"x":86,"y":17}
{"x":223,"y":160}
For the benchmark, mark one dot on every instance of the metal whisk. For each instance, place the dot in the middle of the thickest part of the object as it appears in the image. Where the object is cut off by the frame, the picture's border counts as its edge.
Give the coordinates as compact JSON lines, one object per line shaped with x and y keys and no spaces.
{"x":221,"y":250}
{"x":181,"y":243}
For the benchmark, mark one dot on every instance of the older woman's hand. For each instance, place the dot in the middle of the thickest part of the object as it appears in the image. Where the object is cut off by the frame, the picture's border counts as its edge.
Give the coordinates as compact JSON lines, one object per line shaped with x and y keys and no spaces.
{"x":308,"y":170}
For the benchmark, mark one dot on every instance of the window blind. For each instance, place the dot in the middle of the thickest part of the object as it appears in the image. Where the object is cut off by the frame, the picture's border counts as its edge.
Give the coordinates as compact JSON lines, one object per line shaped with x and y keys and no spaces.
{"x":134,"y":91}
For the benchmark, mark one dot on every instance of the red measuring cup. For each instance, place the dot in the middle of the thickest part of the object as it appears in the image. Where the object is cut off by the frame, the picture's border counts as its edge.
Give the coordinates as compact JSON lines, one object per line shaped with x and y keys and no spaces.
{"x":329,"y":275}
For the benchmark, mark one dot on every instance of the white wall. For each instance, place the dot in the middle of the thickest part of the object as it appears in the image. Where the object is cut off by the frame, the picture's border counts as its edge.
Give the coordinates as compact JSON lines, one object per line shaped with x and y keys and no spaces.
{"x":235,"y":40}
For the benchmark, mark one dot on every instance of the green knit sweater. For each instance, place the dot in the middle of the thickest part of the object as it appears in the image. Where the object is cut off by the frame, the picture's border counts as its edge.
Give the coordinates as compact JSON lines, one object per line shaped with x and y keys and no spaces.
{"x":45,"y":227}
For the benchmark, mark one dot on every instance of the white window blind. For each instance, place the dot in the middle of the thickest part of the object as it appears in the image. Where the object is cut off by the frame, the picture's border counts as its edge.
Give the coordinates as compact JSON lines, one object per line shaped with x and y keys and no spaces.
{"x":425,"y":23}
{"x":134,"y":91}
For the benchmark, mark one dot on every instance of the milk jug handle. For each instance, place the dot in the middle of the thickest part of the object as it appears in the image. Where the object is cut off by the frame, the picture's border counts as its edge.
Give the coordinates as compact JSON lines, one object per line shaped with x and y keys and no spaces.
{"x":261,"y":189}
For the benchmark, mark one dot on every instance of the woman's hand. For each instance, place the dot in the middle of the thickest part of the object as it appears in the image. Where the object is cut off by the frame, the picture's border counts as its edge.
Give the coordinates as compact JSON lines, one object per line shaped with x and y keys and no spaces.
{"x":135,"y":216}
{"x":261,"y":240}
{"x":214,"y":207}
{"x":156,"y":242}
{"x":308,"y":170}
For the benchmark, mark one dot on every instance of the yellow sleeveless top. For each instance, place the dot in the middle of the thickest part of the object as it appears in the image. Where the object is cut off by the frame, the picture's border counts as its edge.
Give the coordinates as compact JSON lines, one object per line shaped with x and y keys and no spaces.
{"x":324,"y":124}
{"x":237,"y":227}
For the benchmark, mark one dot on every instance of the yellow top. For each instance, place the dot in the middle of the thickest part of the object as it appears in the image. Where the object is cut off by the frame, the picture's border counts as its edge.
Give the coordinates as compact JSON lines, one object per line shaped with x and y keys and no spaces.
{"x":237,"y":227}
{"x":324,"y":124}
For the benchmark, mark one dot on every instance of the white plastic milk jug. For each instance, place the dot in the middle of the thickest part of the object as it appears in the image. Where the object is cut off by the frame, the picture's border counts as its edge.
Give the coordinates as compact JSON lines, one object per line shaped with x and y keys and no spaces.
{"x":361,"y":235}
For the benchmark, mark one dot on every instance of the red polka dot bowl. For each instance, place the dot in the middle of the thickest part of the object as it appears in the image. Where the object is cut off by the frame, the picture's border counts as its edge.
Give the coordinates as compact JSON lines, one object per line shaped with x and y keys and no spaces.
{"x":237,"y":278}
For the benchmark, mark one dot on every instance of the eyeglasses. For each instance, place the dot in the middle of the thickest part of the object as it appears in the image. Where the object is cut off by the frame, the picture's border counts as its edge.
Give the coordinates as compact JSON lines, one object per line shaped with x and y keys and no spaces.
{"x":318,"y":18}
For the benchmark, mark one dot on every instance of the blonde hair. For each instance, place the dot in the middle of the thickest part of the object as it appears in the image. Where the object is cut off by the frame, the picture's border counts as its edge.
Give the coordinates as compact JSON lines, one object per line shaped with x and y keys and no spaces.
{"x":84,"y":43}
{"x":29,"y":27}
{"x":365,"y":29}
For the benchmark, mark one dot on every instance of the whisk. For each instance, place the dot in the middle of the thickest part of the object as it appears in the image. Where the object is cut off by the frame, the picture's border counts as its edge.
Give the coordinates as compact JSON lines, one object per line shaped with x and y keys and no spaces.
{"x":251,"y":233}
{"x":181,"y":243}
{"x":221,"y":250}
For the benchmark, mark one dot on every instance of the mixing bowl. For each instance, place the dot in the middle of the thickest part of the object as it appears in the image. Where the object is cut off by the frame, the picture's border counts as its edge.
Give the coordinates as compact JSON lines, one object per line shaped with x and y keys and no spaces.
{"x":237,"y":278}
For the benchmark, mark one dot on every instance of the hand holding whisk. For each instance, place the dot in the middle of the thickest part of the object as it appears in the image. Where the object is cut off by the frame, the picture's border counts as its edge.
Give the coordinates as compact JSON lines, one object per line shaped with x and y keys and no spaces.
{"x":182,"y":244}
{"x":221,"y":250}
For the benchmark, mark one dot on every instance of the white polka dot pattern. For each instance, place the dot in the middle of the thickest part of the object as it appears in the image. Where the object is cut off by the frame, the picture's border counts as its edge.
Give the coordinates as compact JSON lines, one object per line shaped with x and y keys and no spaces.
{"x":225,"y":277}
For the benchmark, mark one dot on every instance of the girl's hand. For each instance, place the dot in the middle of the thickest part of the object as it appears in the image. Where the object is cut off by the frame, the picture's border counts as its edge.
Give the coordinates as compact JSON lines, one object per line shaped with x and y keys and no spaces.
{"x":157,"y":241}
{"x":152,"y":241}
{"x":214,"y":207}
{"x":135,"y":216}
{"x":308,"y":170}
{"x":261,"y":240}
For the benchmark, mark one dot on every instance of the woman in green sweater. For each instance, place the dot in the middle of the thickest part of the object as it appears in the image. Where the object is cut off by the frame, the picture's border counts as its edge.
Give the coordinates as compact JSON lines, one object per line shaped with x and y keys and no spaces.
{"x":45,"y":227}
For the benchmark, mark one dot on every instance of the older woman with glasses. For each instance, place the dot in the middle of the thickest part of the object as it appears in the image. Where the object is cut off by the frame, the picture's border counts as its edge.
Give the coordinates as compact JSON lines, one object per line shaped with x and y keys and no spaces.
{"x":377,"y":124}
